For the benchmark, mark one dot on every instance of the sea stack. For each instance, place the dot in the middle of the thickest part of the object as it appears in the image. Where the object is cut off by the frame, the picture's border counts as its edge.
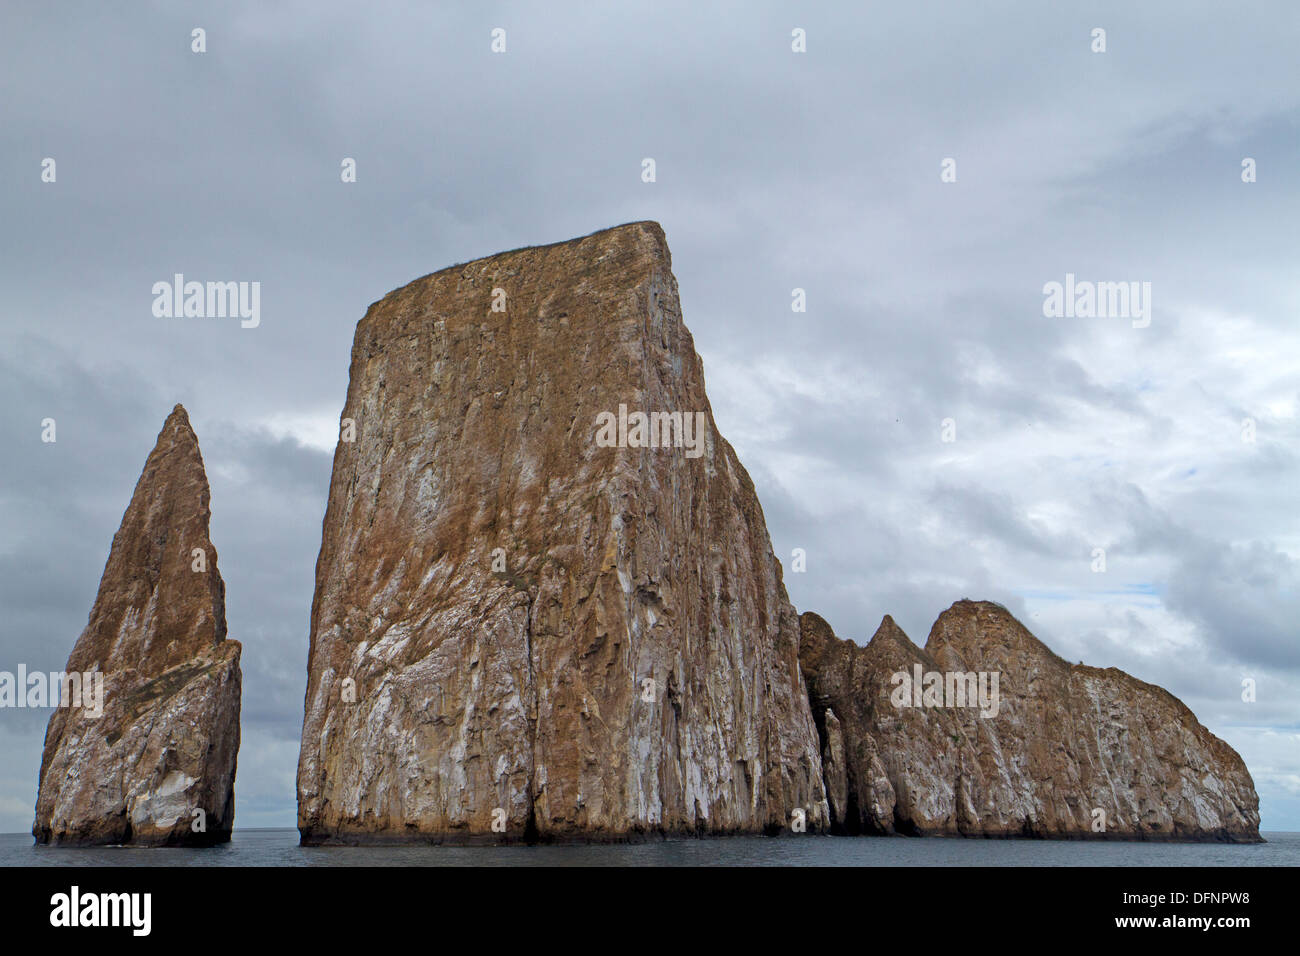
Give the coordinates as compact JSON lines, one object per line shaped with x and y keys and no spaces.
{"x":1059,"y":750}
{"x":546,"y":605}
{"x":150,"y":761}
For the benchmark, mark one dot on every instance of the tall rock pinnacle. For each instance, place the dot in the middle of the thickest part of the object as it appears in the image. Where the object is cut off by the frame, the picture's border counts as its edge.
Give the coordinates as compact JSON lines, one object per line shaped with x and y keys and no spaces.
{"x":1000,"y":737}
{"x":156,"y":764}
{"x":539,"y":614}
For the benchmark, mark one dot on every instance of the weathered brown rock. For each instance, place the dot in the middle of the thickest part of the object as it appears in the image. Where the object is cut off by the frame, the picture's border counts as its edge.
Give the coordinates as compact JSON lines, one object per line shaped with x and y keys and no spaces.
{"x":628,"y":663}
{"x":166,"y":743}
{"x":1066,"y":741}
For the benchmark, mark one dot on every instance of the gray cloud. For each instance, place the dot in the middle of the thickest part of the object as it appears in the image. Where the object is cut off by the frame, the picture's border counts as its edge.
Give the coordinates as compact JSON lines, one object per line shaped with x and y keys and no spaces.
{"x":775,"y":171}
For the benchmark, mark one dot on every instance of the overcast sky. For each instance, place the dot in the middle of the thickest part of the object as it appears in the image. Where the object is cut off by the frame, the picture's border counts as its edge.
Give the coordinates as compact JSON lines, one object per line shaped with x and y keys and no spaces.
{"x":775,"y":170}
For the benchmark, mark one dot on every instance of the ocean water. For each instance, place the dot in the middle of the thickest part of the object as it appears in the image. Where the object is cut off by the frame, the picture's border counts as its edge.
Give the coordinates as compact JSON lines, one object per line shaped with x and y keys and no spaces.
{"x":280,"y":848}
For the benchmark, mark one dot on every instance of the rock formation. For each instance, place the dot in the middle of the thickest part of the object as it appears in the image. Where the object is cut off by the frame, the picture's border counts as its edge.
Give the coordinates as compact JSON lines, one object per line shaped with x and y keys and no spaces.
{"x":156,"y":765}
{"x":535,"y":616}
{"x":1067,"y":744}
{"x":547,"y":608}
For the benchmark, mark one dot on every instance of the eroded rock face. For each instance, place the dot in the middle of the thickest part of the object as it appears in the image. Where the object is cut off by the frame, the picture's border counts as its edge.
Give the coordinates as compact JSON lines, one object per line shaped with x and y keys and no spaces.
{"x":1067,"y":742}
{"x":517,"y":632}
{"x":166,"y":742}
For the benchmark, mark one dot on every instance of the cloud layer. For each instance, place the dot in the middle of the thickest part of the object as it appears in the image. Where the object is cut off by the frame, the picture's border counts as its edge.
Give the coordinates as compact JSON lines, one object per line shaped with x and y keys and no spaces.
{"x":775,"y":171}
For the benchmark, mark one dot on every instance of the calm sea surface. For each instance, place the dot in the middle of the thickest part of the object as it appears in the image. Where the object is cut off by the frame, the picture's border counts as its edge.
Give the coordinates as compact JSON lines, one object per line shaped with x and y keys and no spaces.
{"x":280,"y":848}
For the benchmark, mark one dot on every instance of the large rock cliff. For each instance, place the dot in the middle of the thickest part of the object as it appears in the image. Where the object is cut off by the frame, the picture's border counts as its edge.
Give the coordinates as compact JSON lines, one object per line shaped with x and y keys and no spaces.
{"x":1061,"y":750}
{"x":156,"y":764}
{"x":535,"y":617}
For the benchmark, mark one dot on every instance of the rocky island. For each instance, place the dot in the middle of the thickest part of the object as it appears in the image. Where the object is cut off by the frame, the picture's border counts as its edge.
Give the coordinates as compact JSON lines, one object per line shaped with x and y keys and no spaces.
{"x":1066,"y":751}
{"x":151,"y":761}
{"x":547,"y":608}
{"x":519,"y":631}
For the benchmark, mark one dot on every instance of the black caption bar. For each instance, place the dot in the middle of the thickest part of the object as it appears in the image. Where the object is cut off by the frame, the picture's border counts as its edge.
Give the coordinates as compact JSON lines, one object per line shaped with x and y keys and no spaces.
{"x":143,"y":906}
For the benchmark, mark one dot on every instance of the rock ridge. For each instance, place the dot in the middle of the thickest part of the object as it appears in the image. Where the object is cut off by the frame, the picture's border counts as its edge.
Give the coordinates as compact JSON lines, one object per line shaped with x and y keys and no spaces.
{"x":1072,"y":751}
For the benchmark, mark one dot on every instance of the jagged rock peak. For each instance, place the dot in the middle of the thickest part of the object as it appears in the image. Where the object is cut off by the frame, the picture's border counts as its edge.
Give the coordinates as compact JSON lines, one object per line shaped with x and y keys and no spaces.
{"x":156,"y":736}
{"x":978,"y":627}
{"x":890,"y":632}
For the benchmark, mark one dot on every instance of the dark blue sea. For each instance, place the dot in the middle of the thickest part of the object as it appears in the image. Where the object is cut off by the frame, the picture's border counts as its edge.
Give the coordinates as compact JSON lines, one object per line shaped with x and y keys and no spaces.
{"x":280,"y":848}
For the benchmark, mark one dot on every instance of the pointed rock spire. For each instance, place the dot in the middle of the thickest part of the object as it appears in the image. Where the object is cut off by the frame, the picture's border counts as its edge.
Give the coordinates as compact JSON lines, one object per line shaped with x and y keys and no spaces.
{"x":147,"y":754}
